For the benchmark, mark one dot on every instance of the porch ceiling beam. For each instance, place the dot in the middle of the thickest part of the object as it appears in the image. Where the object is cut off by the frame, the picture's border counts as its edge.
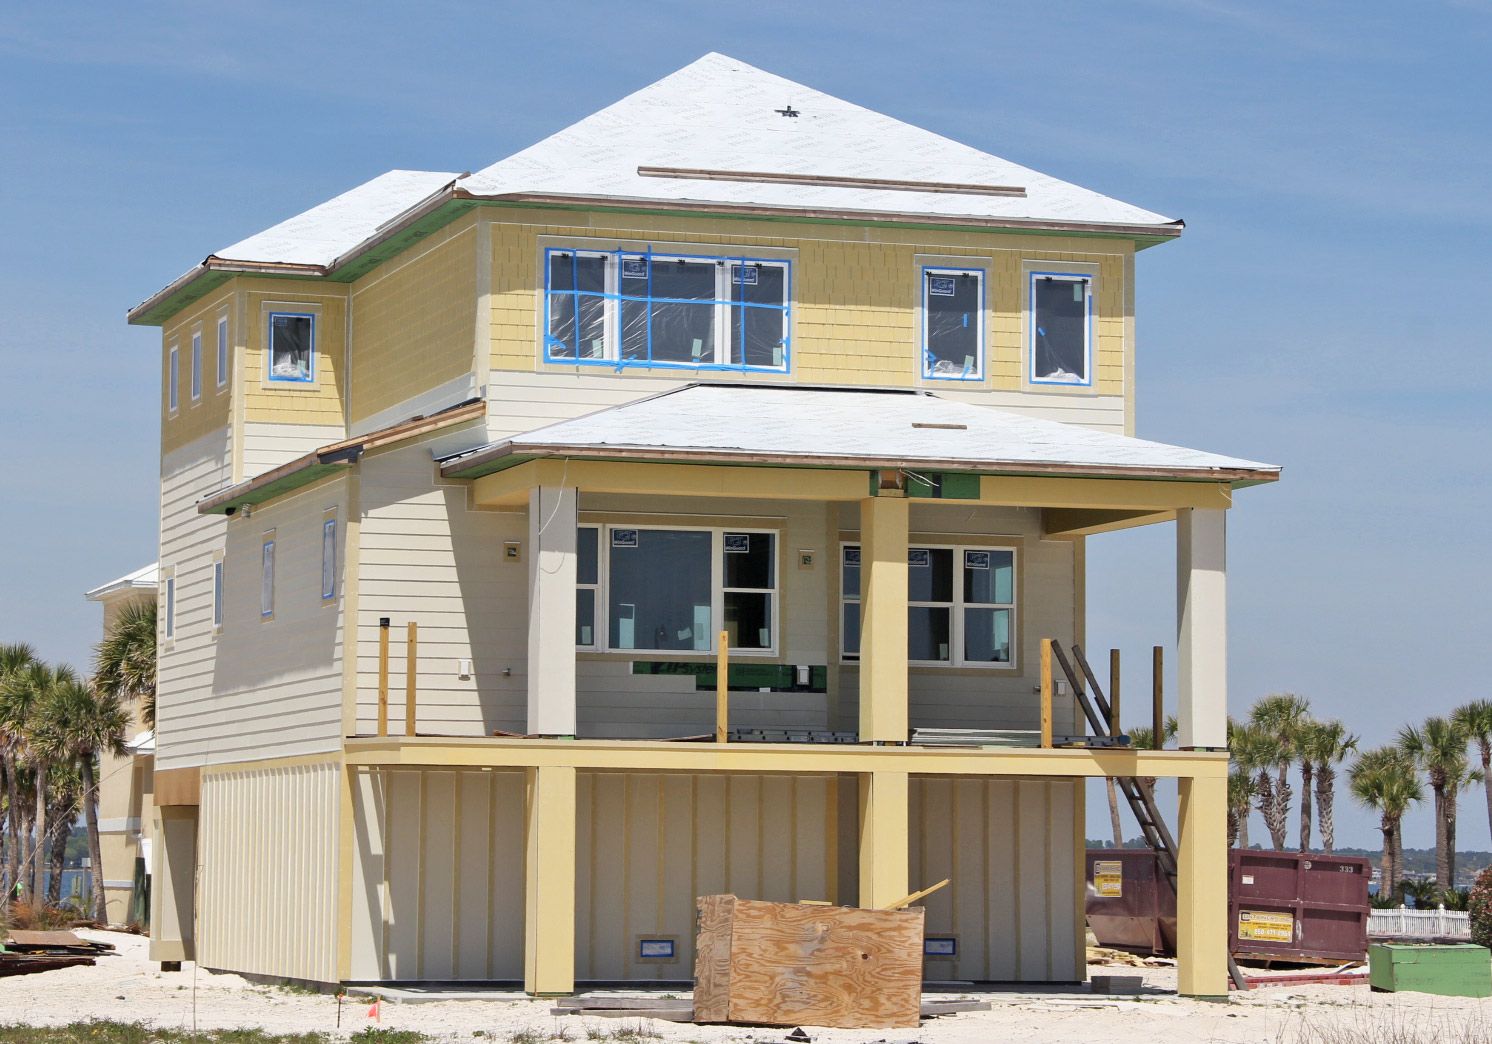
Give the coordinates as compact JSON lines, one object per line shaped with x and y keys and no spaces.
{"x":1098,"y":493}
{"x":660,"y":756}
{"x":1071,"y":523}
{"x":510,"y":488}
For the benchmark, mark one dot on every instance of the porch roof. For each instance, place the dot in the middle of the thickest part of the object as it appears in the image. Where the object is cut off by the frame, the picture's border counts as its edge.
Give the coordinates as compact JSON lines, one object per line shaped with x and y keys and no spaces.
{"x":850,"y":428}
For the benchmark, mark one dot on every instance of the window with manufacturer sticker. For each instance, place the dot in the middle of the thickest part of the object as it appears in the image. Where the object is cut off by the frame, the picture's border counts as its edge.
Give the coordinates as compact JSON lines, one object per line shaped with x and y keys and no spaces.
{"x":952,"y":324}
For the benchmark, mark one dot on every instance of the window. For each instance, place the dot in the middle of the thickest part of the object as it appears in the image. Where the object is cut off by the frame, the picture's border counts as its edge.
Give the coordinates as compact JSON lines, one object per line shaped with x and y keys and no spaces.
{"x":292,"y":348}
{"x":170,"y":605}
{"x":217,"y":593}
{"x":329,"y":557}
{"x":222,"y":351}
{"x":267,"y":577}
{"x":643,"y":309}
{"x":665,"y":589}
{"x":1061,"y":325}
{"x":173,"y":381}
{"x":953,"y":324}
{"x":196,"y":365}
{"x":960,"y":605}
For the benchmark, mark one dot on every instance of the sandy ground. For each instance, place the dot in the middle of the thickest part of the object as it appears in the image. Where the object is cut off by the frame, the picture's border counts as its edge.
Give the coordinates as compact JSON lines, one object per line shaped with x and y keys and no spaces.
{"x":128,"y":987}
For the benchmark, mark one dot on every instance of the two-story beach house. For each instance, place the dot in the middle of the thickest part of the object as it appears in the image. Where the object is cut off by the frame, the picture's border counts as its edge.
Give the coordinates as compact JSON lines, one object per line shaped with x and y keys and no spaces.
{"x":729,"y":363}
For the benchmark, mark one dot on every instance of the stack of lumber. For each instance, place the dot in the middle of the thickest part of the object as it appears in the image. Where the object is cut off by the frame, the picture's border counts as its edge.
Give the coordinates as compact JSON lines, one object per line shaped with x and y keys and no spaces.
{"x":26,"y":952}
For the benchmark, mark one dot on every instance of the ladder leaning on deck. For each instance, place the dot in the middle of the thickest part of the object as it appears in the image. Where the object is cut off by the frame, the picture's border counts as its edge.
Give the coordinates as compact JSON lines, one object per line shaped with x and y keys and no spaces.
{"x":1137,"y":792}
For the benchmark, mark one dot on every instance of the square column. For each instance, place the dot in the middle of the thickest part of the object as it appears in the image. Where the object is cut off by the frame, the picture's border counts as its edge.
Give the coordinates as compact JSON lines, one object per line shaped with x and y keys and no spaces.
{"x":1202,"y":627}
{"x":173,"y":892}
{"x":1202,"y":889}
{"x":551,"y":610}
{"x":883,"y":620}
{"x":549,"y":882}
{"x":884,"y":851}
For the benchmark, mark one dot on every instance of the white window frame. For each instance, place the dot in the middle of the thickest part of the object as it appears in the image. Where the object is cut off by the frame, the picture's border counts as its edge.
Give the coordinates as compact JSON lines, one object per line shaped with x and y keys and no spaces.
{"x":724,"y":330}
{"x":597,"y":589}
{"x":222,"y":352}
{"x":981,"y":344}
{"x":1089,"y":281}
{"x":218,"y":577}
{"x":168,"y":605}
{"x":956,"y":607}
{"x":329,"y":568}
{"x":196,"y":365}
{"x":717,"y":591}
{"x":267,"y":554}
{"x":173,"y":380}
{"x":269,"y":348}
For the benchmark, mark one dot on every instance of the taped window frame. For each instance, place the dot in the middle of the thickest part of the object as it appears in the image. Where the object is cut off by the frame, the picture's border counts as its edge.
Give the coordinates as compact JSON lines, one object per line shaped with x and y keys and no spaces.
{"x":1088,"y":281}
{"x":980,"y":350}
{"x":269,"y":348}
{"x":728,"y":320}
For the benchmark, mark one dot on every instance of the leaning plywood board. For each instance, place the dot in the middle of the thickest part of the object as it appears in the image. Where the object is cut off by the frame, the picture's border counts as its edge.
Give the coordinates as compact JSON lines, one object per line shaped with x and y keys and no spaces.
{"x":781,"y":964}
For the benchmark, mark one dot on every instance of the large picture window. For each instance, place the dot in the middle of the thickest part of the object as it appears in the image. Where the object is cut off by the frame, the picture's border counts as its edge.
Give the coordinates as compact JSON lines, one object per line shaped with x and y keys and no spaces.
{"x":625,"y":309}
{"x":292,"y":347}
{"x":650,"y":589}
{"x":960,"y":605}
{"x":1061,"y":327}
{"x":953,"y":324}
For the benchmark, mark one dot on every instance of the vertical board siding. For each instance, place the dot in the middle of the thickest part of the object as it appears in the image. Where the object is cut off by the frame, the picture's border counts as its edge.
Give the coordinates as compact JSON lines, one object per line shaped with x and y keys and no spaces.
{"x":1007,"y":847}
{"x":268,"y":871}
{"x":438,"y":886}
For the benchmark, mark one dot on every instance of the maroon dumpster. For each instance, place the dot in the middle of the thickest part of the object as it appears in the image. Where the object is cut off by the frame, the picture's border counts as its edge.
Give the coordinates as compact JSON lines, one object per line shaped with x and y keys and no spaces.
{"x":1131,"y":905}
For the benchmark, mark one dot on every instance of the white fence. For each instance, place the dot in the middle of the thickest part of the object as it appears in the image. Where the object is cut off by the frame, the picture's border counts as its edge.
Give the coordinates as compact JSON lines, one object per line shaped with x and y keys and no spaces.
{"x":1405,"y":923}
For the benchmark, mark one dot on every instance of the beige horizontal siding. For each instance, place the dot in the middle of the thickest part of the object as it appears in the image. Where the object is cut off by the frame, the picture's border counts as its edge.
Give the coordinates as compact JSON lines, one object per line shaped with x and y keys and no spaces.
{"x":266,"y":445}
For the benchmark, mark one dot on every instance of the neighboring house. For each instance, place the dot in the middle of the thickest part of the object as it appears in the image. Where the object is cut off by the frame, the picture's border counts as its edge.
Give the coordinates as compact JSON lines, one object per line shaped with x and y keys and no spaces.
{"x":125,"y":784}
{"x":729,"y":355}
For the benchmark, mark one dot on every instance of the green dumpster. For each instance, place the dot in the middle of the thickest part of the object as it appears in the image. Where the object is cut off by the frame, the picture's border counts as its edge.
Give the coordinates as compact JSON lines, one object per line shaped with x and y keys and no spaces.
{"x":1450,"y":970}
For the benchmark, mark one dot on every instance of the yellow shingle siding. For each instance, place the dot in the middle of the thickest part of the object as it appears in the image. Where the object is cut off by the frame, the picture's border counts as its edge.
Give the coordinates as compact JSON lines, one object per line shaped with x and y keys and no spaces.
{"x":319,"y":402}
{"x":193,"y":419}
{"x":413,"y":320}
{"x":854,"y":290}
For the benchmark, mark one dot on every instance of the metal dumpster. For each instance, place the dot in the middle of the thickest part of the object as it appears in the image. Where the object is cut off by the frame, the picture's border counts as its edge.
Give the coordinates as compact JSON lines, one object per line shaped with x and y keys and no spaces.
{"x":1131,"y":905}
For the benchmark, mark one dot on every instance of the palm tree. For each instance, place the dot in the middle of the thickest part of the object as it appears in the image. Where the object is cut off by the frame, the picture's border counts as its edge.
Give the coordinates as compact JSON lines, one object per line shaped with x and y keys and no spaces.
{"x":1279,"y":718}
{"x":1439,"y":748}
{"x":1385,"y":779}
{"x":1114,"y":824}
{"x":1323,"y":744}
{"x":125,"y":659}
{"x":1475,"y":721}
{"x":1249,"y":766}
{"x":13,"y":659}
{"x":1240,"y":795}
{"x":35,"y":689}
{"x":63,"y":789}
{"x":85,"y":724}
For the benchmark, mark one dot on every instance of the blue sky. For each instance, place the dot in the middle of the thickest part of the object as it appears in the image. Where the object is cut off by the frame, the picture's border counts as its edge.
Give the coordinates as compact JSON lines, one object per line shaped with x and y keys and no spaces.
{"x":1327,"y":308}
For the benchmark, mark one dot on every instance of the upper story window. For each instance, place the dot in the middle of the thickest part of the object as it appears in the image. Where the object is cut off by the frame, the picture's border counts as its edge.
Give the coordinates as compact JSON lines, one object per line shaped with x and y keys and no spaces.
{"x":1061,"y":328}
{"x":952,"y":324}
{"x":196,"y":365}
{"x":170,"y":608}
{"x":222,"y":351}
{"x":173,"y":380}
{"x":626,"y":309}
{"x":292,"y":347}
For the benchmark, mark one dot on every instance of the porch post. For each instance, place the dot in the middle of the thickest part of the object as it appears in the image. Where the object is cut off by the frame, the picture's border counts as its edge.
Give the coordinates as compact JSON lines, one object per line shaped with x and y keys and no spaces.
{"x":551,"y":610}
{"x":549,"y":881}
{"x":884,"y":851}
{"x":1202,"y":627}
{"x":1202,"y":891}
{"x":883,"y":621}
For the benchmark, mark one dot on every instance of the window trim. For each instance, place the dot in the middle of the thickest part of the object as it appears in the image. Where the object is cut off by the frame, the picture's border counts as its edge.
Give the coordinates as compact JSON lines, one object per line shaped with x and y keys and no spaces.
{"x":956,"y":608}
{"x":173,"y":379}
{"x":196,"y":382}
{"x":982,"y":353}
{"x":725,"y":338}
{"x":269,"y":348}
{"x":329,"y":569}
{"x":717,"y":591}
{"x":597,"y":589}
{"x":223,"y":353}
{"x":267,"y":561}
{"x":1090,"y":281}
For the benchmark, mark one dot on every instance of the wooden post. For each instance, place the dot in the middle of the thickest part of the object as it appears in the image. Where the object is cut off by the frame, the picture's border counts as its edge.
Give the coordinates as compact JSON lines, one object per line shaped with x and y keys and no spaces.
{"x":722,"y":688}
{"x":1114,"y":727}
{"x":1046,"y":692}
{"x":383,"y":676}
{"x":1158,"y":708}
{"x":411,"y":671}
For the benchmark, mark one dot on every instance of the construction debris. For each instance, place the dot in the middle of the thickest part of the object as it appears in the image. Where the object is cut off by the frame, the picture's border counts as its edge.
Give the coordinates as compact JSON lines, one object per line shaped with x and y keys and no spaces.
{"x":1116,"y":984}
{"x":1105,"y":957}
{"x":676,"y":1009}
{"x":26,"y":952}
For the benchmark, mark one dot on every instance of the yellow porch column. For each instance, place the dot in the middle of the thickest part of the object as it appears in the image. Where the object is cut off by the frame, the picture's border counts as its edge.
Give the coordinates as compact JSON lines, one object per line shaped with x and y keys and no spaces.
{"x":884,"y":850}
{"x":883,"y":621}
{"x":549,"y":882}
{"x":1202,"y":899}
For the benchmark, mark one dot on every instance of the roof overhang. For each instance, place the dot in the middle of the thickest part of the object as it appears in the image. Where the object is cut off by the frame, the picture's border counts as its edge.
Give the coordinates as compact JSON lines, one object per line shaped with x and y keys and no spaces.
{"x":330,"y":460}
{"x":144,"y":579}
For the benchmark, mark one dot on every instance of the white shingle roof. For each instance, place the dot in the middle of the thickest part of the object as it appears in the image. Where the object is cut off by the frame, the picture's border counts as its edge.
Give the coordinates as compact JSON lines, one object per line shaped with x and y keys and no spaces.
{"x":857,"y":428}
{"x":146,"y":578}
{"x":719,"y":113}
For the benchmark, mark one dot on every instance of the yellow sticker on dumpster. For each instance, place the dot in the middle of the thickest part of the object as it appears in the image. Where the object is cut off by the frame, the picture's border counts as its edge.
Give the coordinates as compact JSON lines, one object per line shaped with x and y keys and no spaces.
{"x":1108,"y":878}
{"x":1266,"y":926}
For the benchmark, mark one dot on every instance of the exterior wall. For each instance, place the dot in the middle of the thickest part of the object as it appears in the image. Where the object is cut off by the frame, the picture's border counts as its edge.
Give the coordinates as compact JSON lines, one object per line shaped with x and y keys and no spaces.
{"x":1009,"y":849}
{"x":267,"y":445}
{"x":317,"y":403}
{"x":413,"y":319}
{"x":196,"y":419}
{"x":267,"y":886}
{"x":437,"y":891}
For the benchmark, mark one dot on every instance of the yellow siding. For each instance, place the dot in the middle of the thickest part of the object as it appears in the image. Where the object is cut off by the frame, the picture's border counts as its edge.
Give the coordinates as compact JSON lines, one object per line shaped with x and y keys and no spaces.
{"x":413,"y":320}
{"x":855,"y":291}
{"x":193,"y":419}
{"x":319,"y":402}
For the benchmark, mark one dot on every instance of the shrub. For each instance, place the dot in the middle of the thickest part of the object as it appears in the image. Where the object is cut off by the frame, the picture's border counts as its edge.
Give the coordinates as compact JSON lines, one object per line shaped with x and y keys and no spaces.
{"x":1480,"y":907}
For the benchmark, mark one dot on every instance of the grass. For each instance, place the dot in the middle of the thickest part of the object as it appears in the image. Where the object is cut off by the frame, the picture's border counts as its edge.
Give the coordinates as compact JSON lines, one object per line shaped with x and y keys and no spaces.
{"x":108,"y":1032}
{"x":1388,"y":1026}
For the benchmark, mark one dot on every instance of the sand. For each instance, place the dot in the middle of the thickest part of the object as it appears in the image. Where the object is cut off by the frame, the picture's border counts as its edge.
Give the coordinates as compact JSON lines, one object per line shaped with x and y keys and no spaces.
{"x":128,"y":987}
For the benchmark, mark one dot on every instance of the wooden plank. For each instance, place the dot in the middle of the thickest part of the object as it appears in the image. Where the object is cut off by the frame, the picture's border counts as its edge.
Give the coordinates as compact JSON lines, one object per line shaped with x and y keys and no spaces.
{"x":1046,"y":693}
{"x":793,"y":965}
{"x":411,"y":675}
{"x":722,"y":689}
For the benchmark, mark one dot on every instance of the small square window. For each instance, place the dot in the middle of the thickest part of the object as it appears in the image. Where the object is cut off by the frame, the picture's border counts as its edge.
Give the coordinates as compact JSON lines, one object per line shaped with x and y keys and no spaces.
{"x":292,"y":348}
{"x":1061,"y":328}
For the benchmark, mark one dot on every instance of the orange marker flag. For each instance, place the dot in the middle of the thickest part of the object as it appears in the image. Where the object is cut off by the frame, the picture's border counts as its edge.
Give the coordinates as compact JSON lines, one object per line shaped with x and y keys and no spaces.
{"x":374,"y":1012}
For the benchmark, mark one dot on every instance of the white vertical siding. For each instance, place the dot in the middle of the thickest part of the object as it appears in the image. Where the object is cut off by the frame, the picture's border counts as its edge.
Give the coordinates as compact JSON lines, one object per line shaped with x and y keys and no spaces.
{"x":268,"y":870}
